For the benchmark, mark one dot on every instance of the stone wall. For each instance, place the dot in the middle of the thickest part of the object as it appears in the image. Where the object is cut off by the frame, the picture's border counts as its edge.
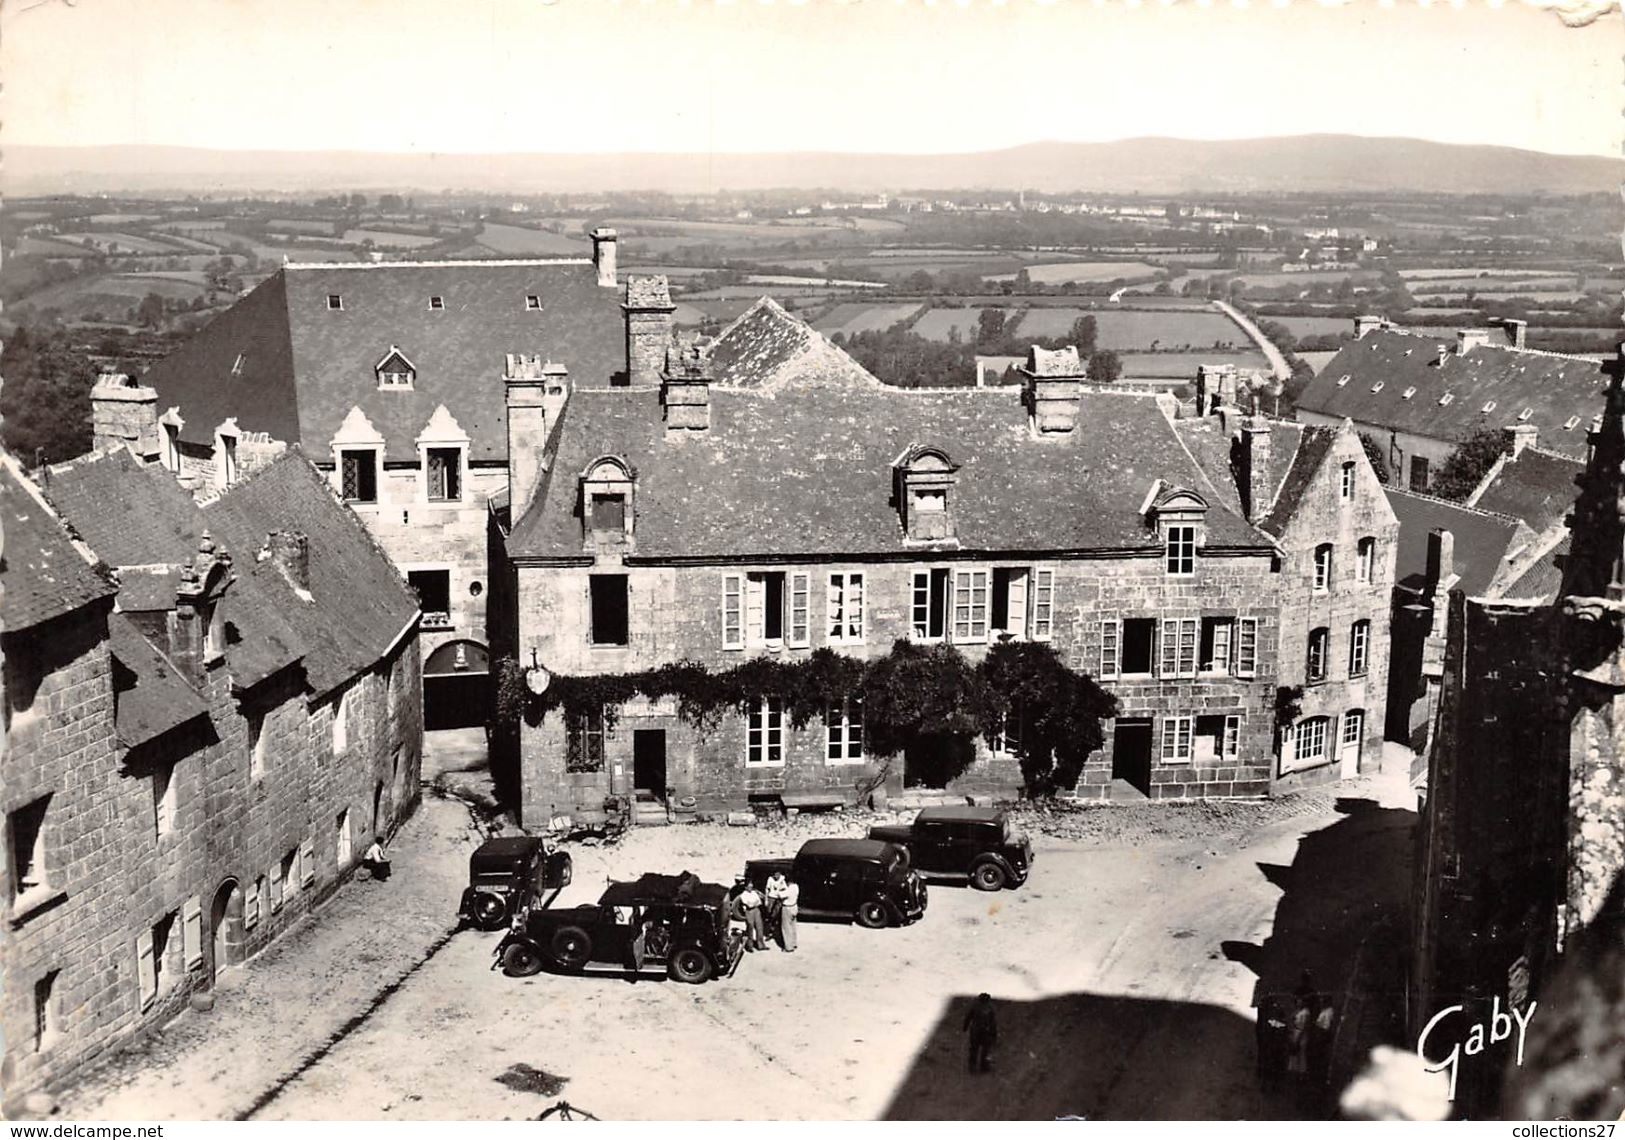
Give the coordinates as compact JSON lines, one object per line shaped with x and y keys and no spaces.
{"x":1398,"y":447}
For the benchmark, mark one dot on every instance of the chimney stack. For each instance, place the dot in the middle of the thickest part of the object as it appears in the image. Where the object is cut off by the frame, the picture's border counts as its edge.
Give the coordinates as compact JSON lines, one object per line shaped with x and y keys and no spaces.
{"x":1216,"y":387}
{"x":1255,"y":466}
{"x":1053,"y":388}
{"x":525,"y":381}
{"x":1469,"y":339}
{"x":1441,"y":571}
{"x":1516,"y":331}
{"x":648,"y":310}
{"x":1519,"y":436}
{"x":1367,"y":323}
{"x":686,"y":392}
{"x":290,"y":550}
{"x":124,"y":411}
{"x":603,"y":255}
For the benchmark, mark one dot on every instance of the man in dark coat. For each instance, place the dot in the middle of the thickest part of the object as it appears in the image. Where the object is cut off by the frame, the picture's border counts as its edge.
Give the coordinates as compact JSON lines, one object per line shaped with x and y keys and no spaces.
{"x":983,"y":1028}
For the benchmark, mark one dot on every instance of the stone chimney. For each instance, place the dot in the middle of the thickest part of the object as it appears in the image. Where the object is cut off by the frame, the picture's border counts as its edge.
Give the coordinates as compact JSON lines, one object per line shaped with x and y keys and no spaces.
{"x":1053,"y":388}
{"x":1254,"y":464}
{"x":649,"y":312}
{"x":603,"y":255}
{"x":1517,"y":437}
{"x":290,"y":550}
{"x":1216,"y":387}
{"x":1367,"y":323}
{"x":525,"y":381}
{"x":1516,"y":331}
{"x":1469,"y":339}
{"x":1441,"y":571}
{"x":686,"y":390}
{"x":124,"y":411}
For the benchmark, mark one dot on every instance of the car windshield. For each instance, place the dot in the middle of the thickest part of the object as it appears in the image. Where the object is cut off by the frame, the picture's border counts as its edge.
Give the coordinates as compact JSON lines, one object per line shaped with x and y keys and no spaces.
{"x":1012,"y":834}
{"x":493,"y":878}
{"x":898,"y":862}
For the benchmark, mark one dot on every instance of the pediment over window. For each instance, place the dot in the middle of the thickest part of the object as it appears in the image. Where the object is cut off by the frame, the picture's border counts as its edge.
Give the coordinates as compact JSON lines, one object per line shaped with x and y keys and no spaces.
{"x":357,"y":429}
{"x":442,"y":428}
{"x":1174,"y":500}
{"x":924,"y":477}
{"x":395,"y":370}
{"x":608,"y":513}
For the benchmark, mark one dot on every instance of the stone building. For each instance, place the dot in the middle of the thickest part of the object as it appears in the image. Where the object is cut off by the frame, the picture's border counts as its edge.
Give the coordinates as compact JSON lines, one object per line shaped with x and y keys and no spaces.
{"x":768,"y":497}
{"x":1522,"y":840}
{"x":1419,"y":393}
{"x":208,"y":754}
{"x":389,"y":375}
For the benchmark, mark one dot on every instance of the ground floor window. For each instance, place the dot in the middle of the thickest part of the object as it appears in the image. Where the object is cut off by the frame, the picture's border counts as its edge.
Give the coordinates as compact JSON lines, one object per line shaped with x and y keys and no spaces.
{"x":1307,"y":745}
{"x":764,"y":734}
{"x":1176,"y":739}
{"x":843,"y":724}
{"x":1007,"y":741}
{"x":1218,"y":737}
{"x":45,"y":1016}
{"x":584,"y":748}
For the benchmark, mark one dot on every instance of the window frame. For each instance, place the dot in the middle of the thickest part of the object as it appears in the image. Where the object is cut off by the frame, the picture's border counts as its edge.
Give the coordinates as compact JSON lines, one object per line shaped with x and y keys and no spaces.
{"x":372,"y":454}
{"x":1346,"y":487}
{"x":938,"y":583}
{"x":586,"y":734}
{"x":764,"y":733}
{"x":1041,"y":596}
{"x":1319,"y":653}
{"x":1365,"y":560}
{"x":733,"y":611}
{"x":593,"y":604}
{"x":1320,"y":581}
{"x":1360,"y":648}
{"x":844,"y":617}
{"x":1179,"y":550}
{"x":1246,"y":648}
{"x":1178,"y":641}
{"x":1178,"y":739}
{"x":1111,"y":647}
{"x":455,"y":473}
{"x":1308,"y":729}
{"x":165,"y":799}
{"x":972,"y":593}
{"x":843,"y":733}
{"x":1225,"y":626}
{"x":432,"y":619}
{"x":39,"y":886}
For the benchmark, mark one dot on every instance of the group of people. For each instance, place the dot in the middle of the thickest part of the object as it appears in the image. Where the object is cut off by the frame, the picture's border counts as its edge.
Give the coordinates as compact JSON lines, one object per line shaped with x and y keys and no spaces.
{"x":1295,"y":1037}
{"x":773,"y":909}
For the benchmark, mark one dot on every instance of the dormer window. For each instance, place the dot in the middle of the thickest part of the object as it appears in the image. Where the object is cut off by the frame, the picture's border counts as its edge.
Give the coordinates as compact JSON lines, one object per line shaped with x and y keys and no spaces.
{"x":1446,"y":399}
{"x":1380,"y":384}
{"x":395,"y":370}
{"x":237,"y":365}
{"x":1571,"y":423}
{"x":924,"y":479}
{"x":1180,"y":516}
{"x":437,"y":303}
{"x":335,"y":301}
{"x":1526,"y":413}
{"x":533,"y":303}
{"x":1489,"y":407}
{"x":1407,"y":393}
{"x":607,"y":516}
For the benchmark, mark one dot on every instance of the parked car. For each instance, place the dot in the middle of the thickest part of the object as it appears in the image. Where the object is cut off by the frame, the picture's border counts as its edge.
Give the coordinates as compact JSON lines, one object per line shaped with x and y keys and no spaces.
{"x":675,"y":925}
{"x":864,"y":880}
{"x":505,"y":873}
{"x":978,"y":843}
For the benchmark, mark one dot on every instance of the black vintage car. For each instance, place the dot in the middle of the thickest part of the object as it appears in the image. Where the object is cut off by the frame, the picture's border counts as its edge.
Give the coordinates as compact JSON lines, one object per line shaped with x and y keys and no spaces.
{"x":505,"y":874}
{"x":865,"y":881}
{"x":662,"y":924}
{"x":978,"y":843}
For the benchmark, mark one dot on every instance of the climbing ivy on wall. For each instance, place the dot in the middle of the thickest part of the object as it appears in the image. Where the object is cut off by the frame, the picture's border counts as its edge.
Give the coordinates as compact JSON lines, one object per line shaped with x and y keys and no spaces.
{"x":913,"y":693}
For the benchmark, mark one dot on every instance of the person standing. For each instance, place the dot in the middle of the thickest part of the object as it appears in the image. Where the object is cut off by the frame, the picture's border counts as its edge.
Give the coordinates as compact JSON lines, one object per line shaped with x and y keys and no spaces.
{"x":777,"y":884}
{"x":751,"y":902}
{"x":789,"y":905}
{"x":983,"y":1027}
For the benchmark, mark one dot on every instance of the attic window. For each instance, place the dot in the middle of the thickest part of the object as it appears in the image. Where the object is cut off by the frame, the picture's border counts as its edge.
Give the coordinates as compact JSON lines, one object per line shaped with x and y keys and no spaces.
{"x":237,"y":365}
{"x":1445,"y":399}
{"x":1378,"y":386}
{"x":394,"y":370}
{"x":1490,"y":406}
{"x":1343,"y":382}
{"x":1596,"y":423}
{"x":437,"y":303}
{"x":1570,"y":424}
{"x":334,"y":301}
{"x":1407,"y":393}
{"x":533,"y":303}
{"x":1525,"y":414}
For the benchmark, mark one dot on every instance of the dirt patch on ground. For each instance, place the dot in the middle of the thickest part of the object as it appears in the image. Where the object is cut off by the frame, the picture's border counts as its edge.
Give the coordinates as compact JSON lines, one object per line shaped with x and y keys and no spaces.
{"x":527,"y":1078}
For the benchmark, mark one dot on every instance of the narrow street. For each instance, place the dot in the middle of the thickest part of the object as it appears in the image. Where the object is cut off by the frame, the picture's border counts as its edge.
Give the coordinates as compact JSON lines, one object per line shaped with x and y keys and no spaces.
{"x":1125,"y":977}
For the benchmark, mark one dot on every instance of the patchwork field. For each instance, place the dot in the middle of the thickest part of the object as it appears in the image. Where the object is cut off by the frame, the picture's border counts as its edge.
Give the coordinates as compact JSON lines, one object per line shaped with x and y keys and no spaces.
{"x":938,"y":323}
{"x":127,"y":243}
{"x":390,"y":240}
{"x":855,"y":318}
{"x":1315,"y":326}
{"x":1082,"y":272}
{"x":1181,"y":366}
{"x":1131,"y":329}
{"x":523,"y":240}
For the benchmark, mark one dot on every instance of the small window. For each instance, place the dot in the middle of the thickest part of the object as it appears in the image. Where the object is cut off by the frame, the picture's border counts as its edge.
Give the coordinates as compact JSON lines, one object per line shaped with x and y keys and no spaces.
{"x":291,"y":873}
{"x":1343,"y":381}
{"x":334,"y":301}
{"x":1419,"y":473}
{"x":256,"y":746}
{"x":437,"y":303}
{"x":1380,"y":384}
{"x":163,"y":799}
{"x":533,"y":303}
{"x":1348,"y":481}
{"x":237,"y":365}
{"x":1323,"y":567}
{"x":1446,"y":399}
{"x":1359,"y":648}
{"x":608,"y":518}
{"x":444,"y":472}
{"x":1181,"y":549}
{"x":45,"y":1012}
{"x":228,"y":460}
{"x":610,"y":624}
{"x":1489,"y":406}
{"x":584,"y":743}
{"x":1176,"y":739}
{"x":1320,"y":648}
{"x":192,"y":932}
{"x":433,"y":588}
{"x":1006,"y":742}
{"x":1571,"y":423}
{"x":358,"y":476}
{"x":843,"y":725}
{"x":341,"y":723}
{"x":27,"y":827}
{"x":764,"y":734}
{"x":1365,"y":560}
{"x":1527,"y":412}
{"x":1407,"y":393}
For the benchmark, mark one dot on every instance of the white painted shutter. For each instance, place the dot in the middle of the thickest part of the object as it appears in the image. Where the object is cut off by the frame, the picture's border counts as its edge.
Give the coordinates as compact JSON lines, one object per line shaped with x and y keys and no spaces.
{"x":1246,"y":647}
{"x":276,"y":885}
{"x":1111,"y":632}
{"x":755,"y":608}
{"x":733,"y":630}
{"x":192,"y":932}
{"x":799,"y":633}
{"x":1043,"y":624}
{"x":1016,"y":605}
{"x":146,"y":973}
{"x":1169,"y":662}
{"x":854,"y":607}
{"x":307,"y":862}
{"x":251,"y":906}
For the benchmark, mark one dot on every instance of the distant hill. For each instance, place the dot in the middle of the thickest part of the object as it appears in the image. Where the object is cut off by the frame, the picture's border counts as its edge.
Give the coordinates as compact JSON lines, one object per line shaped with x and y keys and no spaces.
{"x":1304,"y":163}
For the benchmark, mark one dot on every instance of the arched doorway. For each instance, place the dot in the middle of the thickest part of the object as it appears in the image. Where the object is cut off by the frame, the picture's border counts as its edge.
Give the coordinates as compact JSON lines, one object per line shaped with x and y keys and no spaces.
{"x":226,"y":927}
{"x":456,"y":686}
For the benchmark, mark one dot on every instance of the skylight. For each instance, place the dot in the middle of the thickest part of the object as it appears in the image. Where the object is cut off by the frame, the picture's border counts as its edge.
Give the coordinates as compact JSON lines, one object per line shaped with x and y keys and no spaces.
{"x":1489,"y":407}
{"x":1571,"y":423}
{"x":437,"y":302}
{"x":1525,"y":414}
{"x":335,"y":301}
{"x":1377,"y":387}
{"x":1407,"y":393}
{"x":533,"y":303}
{"x":1444,"y":399}
{"x":1343,"y":382}
{"x":237,"y":365}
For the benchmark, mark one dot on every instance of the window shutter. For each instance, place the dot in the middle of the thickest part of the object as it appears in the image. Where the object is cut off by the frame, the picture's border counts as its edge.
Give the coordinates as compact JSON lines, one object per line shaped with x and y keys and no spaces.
{"x":800,"y":635}
{"x":1187,"y":647}
{"x":733,"y":630}
{"x":251,"y":906}
{"x":1170,"y":736}
{"x":1247,"y":647}
{"x":1043,"y":623}
{"x":146,"y":974}
{"x":192,"y":932}
{"x":307,"y":862}
{"x":1170,"y":648}
{"x":755,"y":609}
{"x":1110,"y":634}
{"x":1232,"y":735}
{"x":276,"y":885}
{"x":1016,"y":610}
{"x":834,"y":611}
{"x":854,"y":607}
{"x":921,"y":618}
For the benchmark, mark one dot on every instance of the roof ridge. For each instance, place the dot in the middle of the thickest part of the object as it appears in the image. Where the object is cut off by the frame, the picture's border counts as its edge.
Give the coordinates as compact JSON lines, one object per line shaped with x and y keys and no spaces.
{"x":1421,"y":332}
{"x":1452,"y":503}
{"x":450,"y":263}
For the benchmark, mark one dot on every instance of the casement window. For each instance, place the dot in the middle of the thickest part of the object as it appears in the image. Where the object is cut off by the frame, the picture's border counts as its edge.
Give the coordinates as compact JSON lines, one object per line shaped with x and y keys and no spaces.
{"x":1218,"y":645}
{"x":154,"y":970}
{"x":844,"y":609}
{"x":358,"y":475}
{"x":1006,"y":743}
{"x":1359,"y":648}
{"x":1309,"y":742}
{"x":164,"y":790}
{"x":1043,"y":590}
{"x":46,"y":1017}
{"x":1323,"y":568}
{"x":1176,"y":739}
{"x":341,"y":723}
{"x":1139,"y":641}
{"x":1231,"y":745}
{"x":26,"y":827}
{"x":192,"y":931}
{"x":929,"y":612}
{"x":1007,"y":612}
{"x":764,"y":734}
{"x":843,"y":728}
{"x":1111,"y":632}
{"x":1178,"y":648}
{"x":1181,"y":549}
{"x":1320,"y":652}
{"x":1246,"y":647}
{"x":1365,"y":560}
{"x":256,"y":746}
{"x":307,"y":862}
{"x":733,"y":615}
{"x":1347,"y":489}
{"x":971,"y":606}
{"x":291,"y":872}
{"x":584,"y":744}
{"x":778,"y":609}
{"x":443,"y":474}
{"x":799,"y":617}
{"x":252,"y":903}
{"x":610,"y":618}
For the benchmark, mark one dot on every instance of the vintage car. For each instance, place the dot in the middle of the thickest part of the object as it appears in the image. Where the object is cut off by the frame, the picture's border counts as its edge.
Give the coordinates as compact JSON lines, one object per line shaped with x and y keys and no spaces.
{"x":978,"y":843}
{"x":661,"y":924}
{"x":505,"y":874}
{"x":863,"y":880}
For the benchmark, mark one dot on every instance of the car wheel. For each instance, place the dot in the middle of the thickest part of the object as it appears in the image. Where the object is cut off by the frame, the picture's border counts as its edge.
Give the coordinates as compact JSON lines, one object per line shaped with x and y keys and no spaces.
{"x":520,"y":960}
{"x":490,"y":911}
{"x":690,"y":965}
{"x":987,"y":877}
{"x":565,"y":869}
{"x":873,"y":914}
{"x":572,"y":947}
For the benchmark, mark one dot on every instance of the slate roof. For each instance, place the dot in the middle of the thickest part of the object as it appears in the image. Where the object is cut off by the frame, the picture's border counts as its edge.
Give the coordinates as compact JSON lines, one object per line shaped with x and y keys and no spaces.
{"x":808,"y":471}
{"x":1543,"y":579}
{"x":130,"y":513}
{"x":1482,"y":540}
{"x":1554,"y":389}
{"x":1537,"y":487}
{"x":766,"y":348}
{"x":1205,"y":438}
{"x":1307,"y":458}
{"x":360,"y":602}
{"x":45,"y":574}
{"x":304,"y":365}
{"x":153,"y":697}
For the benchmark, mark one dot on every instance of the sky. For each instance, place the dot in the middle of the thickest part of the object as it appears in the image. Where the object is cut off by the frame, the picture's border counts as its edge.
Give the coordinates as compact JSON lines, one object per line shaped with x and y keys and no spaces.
{"x":887,"y":76}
